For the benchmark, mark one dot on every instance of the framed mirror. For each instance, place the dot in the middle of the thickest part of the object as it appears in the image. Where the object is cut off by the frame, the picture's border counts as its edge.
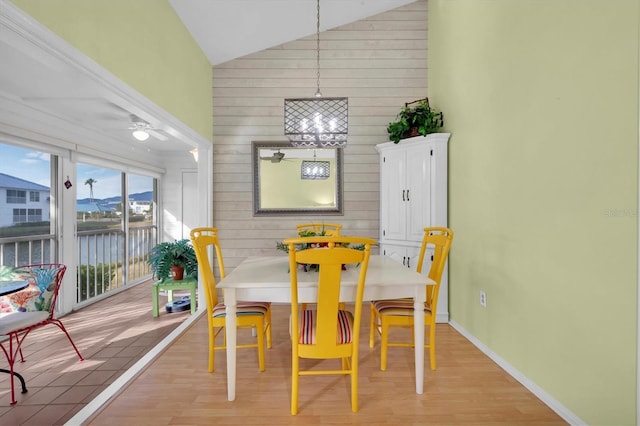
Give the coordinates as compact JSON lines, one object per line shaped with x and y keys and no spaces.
{"x":288,"y":180}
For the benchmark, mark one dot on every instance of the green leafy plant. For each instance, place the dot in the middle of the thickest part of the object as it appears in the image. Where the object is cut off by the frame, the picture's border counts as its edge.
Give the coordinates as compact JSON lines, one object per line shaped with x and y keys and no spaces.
{"x":308,"y":233}
{"x":165,"y":255}
{"x":304,"y":233}
{"x":419,"y":119}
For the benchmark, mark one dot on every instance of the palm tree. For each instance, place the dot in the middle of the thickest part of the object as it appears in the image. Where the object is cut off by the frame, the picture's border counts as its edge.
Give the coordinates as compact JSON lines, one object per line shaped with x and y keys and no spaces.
{"x":90,"y":182}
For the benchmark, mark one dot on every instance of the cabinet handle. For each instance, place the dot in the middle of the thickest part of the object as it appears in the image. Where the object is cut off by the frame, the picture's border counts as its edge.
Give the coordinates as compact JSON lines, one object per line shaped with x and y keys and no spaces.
{"x":408,"y":262}
{"x":407,"y":195}
{"x":403,"y":195}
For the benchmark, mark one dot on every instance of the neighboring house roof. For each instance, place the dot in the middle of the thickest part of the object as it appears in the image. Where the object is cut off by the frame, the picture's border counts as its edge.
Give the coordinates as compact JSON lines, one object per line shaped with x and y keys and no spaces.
{"x":93,"y":208}
{"x":12,"y":182}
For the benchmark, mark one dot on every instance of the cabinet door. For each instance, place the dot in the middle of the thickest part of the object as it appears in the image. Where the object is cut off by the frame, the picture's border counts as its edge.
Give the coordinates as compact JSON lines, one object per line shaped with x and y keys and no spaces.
{"x":419,"y":191}
{"x":408,"y":256}
{"x":397,"y":253}
{"x":412,"y":254}
{"x":393,"y":195}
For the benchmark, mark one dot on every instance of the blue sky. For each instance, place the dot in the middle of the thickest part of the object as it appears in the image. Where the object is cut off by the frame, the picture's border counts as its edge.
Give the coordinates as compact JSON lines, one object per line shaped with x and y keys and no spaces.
{"x":35,"y":167}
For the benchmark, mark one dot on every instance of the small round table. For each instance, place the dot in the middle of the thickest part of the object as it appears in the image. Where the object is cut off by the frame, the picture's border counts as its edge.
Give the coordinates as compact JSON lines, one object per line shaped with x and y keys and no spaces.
{"x":8,"y":287}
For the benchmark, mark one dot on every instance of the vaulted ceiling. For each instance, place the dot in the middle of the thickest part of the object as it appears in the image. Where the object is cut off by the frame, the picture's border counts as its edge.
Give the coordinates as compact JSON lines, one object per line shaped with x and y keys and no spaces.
{"x":34,"y":91}
{"x":255,"y":25}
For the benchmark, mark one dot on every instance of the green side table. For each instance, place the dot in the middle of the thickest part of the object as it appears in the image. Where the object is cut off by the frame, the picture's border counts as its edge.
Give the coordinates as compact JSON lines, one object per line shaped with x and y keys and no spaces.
{"x":170,"y":285}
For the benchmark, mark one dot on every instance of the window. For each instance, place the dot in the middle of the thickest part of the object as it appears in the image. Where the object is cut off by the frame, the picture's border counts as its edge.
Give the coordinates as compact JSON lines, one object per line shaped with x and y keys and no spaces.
{"x":19,"y":215}
{"x":15,"y":196}
{"x":26,"y":179}
{"x":34,"y":215}
{"x":27,"y":215}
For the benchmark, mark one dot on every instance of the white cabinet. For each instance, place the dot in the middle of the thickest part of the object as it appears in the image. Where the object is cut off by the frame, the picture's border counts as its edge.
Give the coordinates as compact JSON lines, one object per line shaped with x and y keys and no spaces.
{"x":407,"y":255}
{"x":413,"y":195}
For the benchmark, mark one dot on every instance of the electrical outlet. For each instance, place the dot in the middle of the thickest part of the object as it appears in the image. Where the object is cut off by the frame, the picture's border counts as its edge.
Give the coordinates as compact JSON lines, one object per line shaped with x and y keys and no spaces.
{"x":483,"y":298}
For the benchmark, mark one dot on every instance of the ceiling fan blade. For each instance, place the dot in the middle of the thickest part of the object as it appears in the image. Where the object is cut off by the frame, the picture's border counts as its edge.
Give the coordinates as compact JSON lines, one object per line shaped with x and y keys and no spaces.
{"x":275,"y":158}
{"x":157,"y":135}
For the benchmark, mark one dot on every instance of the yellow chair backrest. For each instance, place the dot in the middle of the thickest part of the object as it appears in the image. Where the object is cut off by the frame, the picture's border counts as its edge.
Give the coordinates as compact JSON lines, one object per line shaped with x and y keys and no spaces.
{"x":439,"y":240}
{"x":330,"y":256}
{"x":328,"y":229}
{"x":202,"y":239}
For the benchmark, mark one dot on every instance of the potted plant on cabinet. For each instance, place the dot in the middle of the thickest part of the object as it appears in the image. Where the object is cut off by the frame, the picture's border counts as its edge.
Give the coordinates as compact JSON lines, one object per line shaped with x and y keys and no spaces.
{"x":419,"y":119}
{"x":173,"y":260}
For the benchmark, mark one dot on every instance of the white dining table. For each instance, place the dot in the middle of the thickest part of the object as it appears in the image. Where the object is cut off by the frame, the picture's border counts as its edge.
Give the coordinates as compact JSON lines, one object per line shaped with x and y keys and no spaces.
{"x":267,"y":279}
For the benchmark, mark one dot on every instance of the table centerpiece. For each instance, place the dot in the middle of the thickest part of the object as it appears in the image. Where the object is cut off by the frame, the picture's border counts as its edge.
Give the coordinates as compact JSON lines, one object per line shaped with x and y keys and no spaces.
{"x":308,"y":234}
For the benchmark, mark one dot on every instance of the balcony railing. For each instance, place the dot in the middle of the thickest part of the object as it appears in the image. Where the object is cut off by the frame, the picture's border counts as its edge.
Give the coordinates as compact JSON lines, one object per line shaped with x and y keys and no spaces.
{"x":15,"y":251}
{"x":100,"y":261}
{"x":101,"y":256}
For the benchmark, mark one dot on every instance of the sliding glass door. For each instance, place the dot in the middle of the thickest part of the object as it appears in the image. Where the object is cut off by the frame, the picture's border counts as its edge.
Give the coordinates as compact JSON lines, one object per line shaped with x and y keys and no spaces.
{"x":115,"y":219}
{"x":116,"y":229}
{"x":142,"y":223}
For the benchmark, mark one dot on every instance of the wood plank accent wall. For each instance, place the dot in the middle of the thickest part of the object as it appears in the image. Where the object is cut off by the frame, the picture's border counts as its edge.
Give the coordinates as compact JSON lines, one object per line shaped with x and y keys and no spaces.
{"x":379,"y":63}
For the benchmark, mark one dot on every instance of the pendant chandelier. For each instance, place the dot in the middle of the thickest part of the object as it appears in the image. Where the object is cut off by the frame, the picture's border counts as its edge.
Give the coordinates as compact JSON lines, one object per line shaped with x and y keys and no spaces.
{"x":315,"y":170}
{"x":318,"y":121}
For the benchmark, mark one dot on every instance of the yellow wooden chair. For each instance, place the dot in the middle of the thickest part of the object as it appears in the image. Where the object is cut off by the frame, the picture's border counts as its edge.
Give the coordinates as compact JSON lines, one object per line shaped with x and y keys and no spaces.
{"x":249,"y":314}
{"x":386,"y":314}
{"x":324,"y":229}
{"x":326,"y":332}
{"x":328,"y":229}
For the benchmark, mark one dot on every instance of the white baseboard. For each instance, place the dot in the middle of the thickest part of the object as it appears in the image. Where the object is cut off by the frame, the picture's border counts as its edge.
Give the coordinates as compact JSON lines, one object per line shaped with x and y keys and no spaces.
{"x":551,"y":402}
{"x":94,"y":406}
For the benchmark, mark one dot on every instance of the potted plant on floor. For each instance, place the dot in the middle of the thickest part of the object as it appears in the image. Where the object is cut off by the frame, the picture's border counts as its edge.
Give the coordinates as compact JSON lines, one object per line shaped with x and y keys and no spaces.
{"x":415,"y":118}
{"x":173,"y":260}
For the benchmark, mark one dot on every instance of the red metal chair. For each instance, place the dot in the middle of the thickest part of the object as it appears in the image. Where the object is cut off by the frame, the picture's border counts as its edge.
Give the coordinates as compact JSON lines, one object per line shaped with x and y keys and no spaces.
{"x":30,"y":308}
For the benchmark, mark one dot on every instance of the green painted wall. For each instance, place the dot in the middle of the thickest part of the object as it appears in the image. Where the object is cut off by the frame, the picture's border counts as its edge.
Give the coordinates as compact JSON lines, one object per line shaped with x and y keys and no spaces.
{"x":541,"y":99}
{"x":143,"y":43}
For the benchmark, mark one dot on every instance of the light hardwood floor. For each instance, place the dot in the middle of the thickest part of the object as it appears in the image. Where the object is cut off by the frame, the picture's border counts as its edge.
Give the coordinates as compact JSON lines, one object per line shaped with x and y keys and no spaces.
{"x":467,"y":388}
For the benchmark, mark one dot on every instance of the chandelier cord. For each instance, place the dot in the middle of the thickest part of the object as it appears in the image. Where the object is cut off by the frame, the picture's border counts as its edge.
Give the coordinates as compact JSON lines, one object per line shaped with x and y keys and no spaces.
{"x":318,"y":94}
{"x":318,"y":121}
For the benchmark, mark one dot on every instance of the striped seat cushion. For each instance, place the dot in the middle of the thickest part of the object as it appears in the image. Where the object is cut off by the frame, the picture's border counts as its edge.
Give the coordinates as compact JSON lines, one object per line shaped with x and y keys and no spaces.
{"x":307,"y":322}
{"x":243,"y":308}
{"x":397,"y":307}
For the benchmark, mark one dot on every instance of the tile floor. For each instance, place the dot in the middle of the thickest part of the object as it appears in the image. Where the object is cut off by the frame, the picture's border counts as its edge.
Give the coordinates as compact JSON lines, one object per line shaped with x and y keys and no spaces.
{"x":111,"y":335}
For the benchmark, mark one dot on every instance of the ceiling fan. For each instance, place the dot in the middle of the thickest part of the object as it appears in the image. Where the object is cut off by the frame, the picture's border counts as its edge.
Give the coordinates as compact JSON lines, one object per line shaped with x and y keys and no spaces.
{"x":141,"y":129}
{"x":275,"y":158}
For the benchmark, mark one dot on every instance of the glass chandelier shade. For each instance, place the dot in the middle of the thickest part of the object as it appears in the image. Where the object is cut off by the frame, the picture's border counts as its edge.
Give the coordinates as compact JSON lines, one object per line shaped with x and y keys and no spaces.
{"x":316,"y":170}
{"x":316,"y":122}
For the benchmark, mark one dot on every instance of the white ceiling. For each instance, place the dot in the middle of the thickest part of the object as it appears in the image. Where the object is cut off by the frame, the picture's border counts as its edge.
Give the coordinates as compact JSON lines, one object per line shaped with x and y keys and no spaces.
{"x":229,"y":29}
{"x":41,"y":90}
